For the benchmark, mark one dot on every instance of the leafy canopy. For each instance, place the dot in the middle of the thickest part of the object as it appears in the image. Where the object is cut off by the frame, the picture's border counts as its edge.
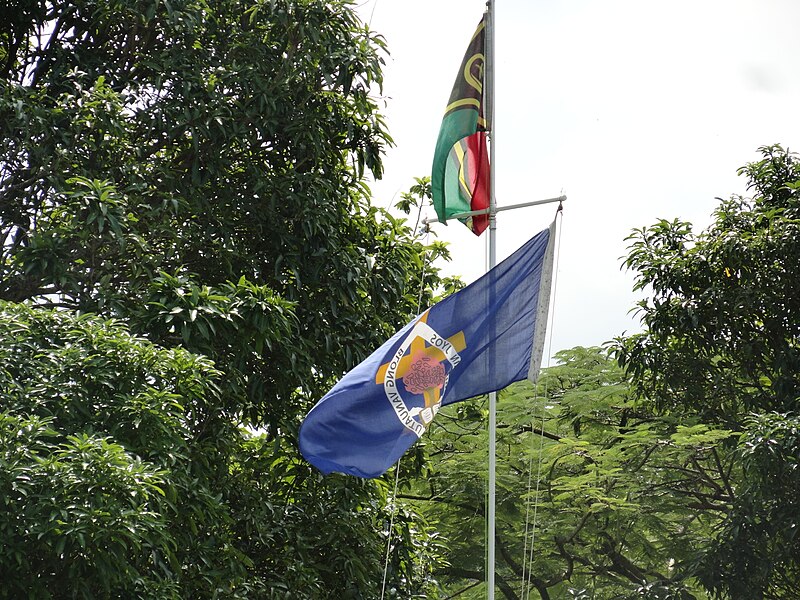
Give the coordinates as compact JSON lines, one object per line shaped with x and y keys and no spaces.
{"x":195,"y":171}
{"x":722,"y":343}
{"x":597,"y":497}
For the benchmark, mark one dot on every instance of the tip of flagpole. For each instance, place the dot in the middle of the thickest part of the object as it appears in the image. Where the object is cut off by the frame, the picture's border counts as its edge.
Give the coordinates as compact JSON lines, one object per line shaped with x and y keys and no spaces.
{"x":426,"y":221}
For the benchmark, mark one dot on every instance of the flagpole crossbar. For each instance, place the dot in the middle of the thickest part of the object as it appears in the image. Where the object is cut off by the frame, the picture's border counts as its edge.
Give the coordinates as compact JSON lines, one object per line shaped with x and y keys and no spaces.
{"x":497,"y":209}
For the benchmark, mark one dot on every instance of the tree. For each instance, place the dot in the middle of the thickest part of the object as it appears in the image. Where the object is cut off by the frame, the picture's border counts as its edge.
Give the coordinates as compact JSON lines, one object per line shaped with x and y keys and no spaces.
{"x":597,"y":497}
{"x":721,"y":343}
{"x":102,"y":478}
{"x":195,"y":171}
{"x":110,"y":484}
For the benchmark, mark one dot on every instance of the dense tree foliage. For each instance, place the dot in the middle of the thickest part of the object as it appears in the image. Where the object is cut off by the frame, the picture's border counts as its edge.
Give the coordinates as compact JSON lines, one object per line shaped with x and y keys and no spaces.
{"x":597,"y":497}
{"x":194,"y":171}
{"x":111,"y":483}
{"x":722,"y":343}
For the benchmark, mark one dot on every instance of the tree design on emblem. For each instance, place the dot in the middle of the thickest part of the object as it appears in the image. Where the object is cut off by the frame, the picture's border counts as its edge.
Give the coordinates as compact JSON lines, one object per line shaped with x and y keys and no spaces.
{"x":423,"y":375}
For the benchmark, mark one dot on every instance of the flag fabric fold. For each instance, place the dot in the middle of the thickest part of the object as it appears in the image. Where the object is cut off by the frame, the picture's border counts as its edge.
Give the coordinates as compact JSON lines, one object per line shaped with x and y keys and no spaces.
{"x":460,"y":173}
{"x":480,"y":339}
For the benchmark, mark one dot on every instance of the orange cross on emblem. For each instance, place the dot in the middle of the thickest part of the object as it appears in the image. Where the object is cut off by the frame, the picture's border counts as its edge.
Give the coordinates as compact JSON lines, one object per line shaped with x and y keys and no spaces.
{"x":420,"y":351}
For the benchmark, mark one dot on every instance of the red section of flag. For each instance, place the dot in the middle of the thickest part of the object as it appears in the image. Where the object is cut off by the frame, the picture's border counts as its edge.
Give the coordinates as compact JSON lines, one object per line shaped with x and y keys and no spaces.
{"x":476,"y":162}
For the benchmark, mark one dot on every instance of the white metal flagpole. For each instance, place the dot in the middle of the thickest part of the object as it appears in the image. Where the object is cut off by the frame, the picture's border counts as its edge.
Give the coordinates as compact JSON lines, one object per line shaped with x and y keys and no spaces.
{"x":490,"y":115}
{"x":490,"y":118}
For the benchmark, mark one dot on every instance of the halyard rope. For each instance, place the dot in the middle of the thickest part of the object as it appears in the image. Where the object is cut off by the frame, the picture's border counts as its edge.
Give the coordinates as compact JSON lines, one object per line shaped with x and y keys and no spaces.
{"x":397,"y":466}
{"x":527,"y":558}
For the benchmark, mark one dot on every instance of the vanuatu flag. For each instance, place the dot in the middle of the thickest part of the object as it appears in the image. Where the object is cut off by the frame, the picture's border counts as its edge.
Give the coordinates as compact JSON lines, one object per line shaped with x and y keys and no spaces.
{"x":460,"y":172}
{"x":478,"y":340}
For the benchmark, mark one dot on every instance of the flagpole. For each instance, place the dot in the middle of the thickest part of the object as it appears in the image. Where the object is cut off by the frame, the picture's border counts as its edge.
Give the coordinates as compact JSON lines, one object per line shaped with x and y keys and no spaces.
{"x":490,"y":514}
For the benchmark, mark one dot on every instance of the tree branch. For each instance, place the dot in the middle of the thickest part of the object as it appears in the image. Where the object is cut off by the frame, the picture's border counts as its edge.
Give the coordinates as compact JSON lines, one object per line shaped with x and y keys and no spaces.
{"x":508,"y":592}
{"x":477,"y":510}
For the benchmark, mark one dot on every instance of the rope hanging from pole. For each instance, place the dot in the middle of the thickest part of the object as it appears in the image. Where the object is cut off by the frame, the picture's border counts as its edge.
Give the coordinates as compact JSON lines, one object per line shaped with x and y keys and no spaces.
{"x":426,"y":234}
{"x":528,"y":552}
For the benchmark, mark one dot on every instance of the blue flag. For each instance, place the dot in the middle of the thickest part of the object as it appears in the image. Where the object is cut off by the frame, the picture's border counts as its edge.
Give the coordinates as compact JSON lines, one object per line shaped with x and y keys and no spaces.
{"x":478,"y":340}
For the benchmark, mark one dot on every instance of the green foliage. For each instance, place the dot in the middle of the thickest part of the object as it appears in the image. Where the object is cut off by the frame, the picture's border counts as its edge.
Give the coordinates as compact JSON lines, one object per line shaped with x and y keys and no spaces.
{"x":758,"y":546}
{"x":103,"y":475}
{"x":208,"y":144}
{"x":596,"y":496}
{"x":416,"y":196}
{"x":721,"y":326}
{"x":81,"y":507}
{"x":195,"y":172}
{"x":119,"y":475}
{"x":340,"y":555}
{"x":721,"y":344}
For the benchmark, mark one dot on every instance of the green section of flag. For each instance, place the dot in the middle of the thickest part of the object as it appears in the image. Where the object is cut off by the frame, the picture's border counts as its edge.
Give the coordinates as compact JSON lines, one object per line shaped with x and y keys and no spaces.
{"x":463,"y":117}
{"x":451,"y":198}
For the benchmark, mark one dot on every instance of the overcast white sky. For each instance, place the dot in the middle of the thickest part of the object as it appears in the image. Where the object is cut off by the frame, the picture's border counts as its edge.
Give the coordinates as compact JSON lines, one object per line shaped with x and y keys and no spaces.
{"x":635,"y":109}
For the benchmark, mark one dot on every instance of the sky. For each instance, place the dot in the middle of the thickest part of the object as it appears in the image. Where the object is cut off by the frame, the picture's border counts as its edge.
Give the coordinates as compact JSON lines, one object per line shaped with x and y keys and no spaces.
{"x":636,"y":110}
